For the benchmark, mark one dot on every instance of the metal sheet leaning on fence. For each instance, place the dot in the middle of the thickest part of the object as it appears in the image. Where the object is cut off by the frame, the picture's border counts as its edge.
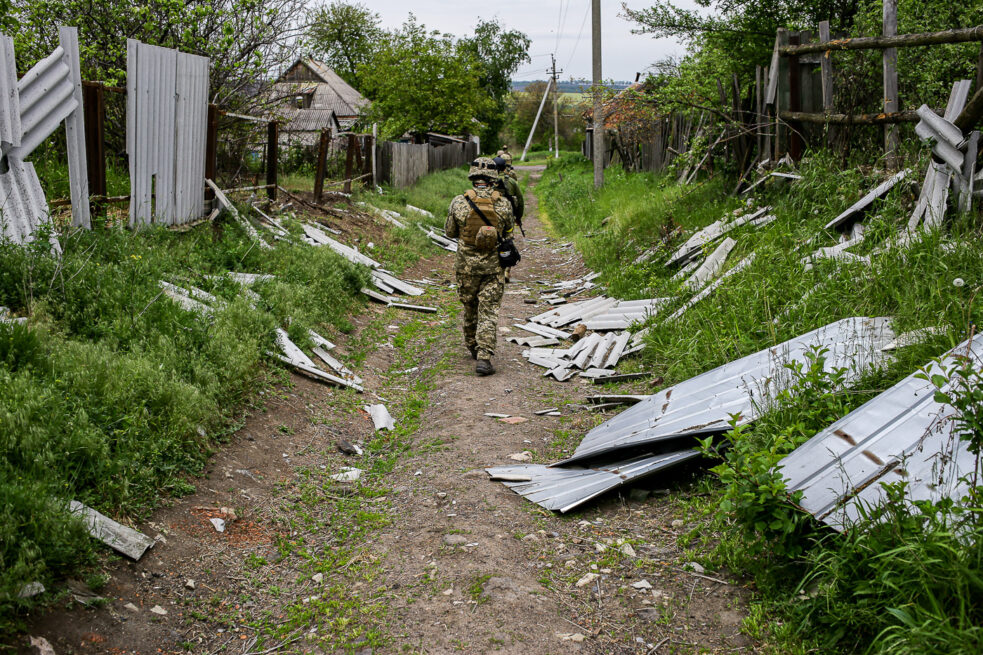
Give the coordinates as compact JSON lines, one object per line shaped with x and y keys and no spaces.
{"x":480,"y":278}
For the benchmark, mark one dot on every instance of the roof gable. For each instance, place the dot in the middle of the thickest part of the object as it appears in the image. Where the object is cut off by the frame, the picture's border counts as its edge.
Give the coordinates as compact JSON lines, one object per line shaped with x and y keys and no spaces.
{"x":331,"y":92}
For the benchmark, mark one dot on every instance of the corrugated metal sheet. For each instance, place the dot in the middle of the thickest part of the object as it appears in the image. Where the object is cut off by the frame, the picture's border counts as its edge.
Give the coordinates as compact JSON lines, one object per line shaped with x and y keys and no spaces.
{"x":704,"y":404}
{"x":32,"y":108}
{"x":563,"y":489}
{"x":10,"y":129}
{"x":309,"y":120}
{"x":166,"y":112}
{"x":22,"y":204}
{"x":902,"y":435}
{"x":78,"y":172}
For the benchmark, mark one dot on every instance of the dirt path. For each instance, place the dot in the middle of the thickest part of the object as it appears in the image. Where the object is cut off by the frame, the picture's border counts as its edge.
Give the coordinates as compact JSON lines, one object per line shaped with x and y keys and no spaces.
{"x":424,"y":554}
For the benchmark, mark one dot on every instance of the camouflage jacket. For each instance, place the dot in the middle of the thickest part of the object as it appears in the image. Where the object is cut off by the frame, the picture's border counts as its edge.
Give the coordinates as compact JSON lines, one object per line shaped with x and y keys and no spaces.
{"x":512,"y":189}
{"x":469,"y":260}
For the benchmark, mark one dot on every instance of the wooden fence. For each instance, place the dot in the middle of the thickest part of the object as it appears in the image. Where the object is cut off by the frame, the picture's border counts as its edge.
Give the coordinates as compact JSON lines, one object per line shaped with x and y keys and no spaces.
{"x":402,"y":164}
{"x":790,"y":104}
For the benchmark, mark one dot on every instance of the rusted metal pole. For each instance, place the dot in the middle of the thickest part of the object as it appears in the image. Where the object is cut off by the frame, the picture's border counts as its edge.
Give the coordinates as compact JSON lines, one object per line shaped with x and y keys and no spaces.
{"x":94,"y":108}
{"x":272,"y":148}
{"x":966,"y":35}
{"x":322,"y":155}
{"x":211,"y":149}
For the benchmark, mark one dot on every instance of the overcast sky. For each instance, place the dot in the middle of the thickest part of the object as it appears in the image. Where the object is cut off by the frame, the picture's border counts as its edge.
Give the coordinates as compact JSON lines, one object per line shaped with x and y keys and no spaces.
{"x":623,"y":53}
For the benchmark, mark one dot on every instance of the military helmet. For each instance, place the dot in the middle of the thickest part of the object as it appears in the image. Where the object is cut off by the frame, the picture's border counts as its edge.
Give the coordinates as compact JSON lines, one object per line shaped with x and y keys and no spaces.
{"x":483,"y":167}
{"x":500,"y":164}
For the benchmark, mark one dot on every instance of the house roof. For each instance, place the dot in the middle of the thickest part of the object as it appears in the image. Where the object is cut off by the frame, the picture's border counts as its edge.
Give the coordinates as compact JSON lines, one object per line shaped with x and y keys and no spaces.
{"x":308,"y":120}
{"x":329,"y":90}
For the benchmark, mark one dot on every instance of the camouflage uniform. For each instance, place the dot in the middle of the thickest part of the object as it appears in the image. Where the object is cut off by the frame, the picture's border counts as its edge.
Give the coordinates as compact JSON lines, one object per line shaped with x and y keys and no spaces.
{"x":512,"y":189}
{"x":480,"y":278}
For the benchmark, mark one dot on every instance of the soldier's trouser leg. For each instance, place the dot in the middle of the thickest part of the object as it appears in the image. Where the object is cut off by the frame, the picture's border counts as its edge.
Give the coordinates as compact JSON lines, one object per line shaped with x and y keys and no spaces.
{"x":489,"y":301}
{"x":481,"y":296}
{"x":467,"y":291}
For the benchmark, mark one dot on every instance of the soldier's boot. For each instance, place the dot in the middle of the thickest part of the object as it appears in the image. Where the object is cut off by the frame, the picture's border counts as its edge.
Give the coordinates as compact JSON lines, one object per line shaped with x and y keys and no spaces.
{"x":484,"y":367}
{"x":474,"y":351}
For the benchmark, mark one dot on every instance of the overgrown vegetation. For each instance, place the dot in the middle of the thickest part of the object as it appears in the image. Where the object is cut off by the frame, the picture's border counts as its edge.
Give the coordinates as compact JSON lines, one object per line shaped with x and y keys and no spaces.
{"x":908,"y":583}
{"x":115,"y":396}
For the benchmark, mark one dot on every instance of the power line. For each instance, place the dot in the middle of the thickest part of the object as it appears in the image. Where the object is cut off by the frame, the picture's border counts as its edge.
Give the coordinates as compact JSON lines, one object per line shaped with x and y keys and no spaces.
{"x":559,"y":21}
{"x":580,"y":34}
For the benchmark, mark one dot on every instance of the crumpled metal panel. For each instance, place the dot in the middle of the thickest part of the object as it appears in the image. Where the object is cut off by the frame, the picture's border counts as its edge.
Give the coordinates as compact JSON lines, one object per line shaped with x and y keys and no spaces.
{"x":563,"y":489}
{"x":10,"y":129}
{"x":902,"y":435}
{"x":32,"y":108}
{"x":704,"y":404}
{"x":22,"y":204}
{"x":166,"y":123}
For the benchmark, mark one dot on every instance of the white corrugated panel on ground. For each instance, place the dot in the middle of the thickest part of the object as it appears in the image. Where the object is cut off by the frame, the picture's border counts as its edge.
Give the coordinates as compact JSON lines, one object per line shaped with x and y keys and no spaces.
{"x":166,"y":116}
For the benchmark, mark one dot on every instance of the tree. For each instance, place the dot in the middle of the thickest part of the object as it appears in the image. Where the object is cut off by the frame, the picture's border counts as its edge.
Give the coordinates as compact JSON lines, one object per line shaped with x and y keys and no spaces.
{"x":245,"y":39}
{"x":523,"y":107}
{"x":419,"y":81}
{"x":345,"y":36}
{"x":499,"y":53}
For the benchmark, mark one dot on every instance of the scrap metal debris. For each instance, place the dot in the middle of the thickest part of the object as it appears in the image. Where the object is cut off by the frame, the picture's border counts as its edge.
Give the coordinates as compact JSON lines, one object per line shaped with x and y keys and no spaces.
{"x":117,"y":536}
{"x":381,"y":418}
{"x":563,"y":489}
{"x":901,"y":435}
{"x":660,"y":430}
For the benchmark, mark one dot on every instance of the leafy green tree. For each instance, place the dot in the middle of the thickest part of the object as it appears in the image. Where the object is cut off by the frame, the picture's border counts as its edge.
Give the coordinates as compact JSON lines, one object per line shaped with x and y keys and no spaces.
{"x":420,"y":81}
{"x":522,"y":108}
{"x":245,"y":39}
{"x":499,"y":53}
{"x":345,"y":36}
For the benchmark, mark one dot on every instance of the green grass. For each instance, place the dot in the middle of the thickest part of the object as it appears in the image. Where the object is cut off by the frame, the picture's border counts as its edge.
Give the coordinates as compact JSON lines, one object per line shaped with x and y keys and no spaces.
{"x":115,"y":396}
{"x":908,"y":586}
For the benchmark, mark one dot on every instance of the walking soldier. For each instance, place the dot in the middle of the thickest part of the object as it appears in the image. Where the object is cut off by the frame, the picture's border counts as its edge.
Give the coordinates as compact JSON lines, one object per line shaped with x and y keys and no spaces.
{"x":479,"y":219}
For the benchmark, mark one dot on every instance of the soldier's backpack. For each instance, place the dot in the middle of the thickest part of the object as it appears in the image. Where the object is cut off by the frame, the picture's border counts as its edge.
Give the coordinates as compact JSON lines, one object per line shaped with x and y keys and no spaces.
{"x":508,"y":254}
{"x":481,"y":226}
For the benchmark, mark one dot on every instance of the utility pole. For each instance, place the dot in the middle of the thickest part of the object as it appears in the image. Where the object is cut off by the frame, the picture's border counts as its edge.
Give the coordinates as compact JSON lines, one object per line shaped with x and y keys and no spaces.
{"x":597,"y":147}
{"x":539,"y":113}
{"x":556,"y":113}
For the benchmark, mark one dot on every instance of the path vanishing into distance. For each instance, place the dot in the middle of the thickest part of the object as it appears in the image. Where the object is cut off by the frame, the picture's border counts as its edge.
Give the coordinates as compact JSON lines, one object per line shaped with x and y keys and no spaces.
{"x":423,"y":554}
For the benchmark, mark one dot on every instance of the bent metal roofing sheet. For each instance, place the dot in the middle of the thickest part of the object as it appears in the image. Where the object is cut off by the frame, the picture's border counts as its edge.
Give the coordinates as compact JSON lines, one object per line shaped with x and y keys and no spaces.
{"x":902,"y":435}
{"x":563,"y":489}
{"x":704,"y":404}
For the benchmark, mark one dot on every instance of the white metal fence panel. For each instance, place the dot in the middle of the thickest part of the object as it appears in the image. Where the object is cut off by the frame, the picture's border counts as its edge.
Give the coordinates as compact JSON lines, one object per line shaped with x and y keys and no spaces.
{"x":31,"y":109}
{"x":166,"y":122}
{"x":10,"y":129}
{"x":78,"y":173}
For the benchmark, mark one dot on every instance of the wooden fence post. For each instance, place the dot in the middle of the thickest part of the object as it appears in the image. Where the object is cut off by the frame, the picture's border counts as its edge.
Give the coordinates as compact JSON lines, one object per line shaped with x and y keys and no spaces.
{"x":322,"y":155}
{"x":891,"y":104}
{"x":211,"y":149}
{"x":94,"y":108}
{"x":795,"y":143}
{"x":759,"y":112}
{"x":272,"y":152}
{"x":826,"y":71}
{"x":375,"y":164}
{"x":782,"y":96}
{"x":349,"y":163}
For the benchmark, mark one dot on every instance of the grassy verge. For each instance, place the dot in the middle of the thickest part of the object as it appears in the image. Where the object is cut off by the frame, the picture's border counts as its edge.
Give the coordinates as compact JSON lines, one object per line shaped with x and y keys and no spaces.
{"x":901,"y":587}
{"x":115,"y":396}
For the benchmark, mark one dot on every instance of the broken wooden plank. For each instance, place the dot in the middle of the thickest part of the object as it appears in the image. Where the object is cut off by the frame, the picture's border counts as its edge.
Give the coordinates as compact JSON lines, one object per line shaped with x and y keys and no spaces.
{"x":117,"y":536}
